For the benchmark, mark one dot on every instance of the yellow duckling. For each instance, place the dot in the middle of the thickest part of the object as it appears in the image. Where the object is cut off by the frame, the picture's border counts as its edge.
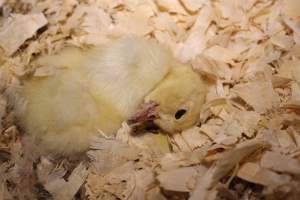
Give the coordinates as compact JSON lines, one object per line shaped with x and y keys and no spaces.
{"x":95,"y":90}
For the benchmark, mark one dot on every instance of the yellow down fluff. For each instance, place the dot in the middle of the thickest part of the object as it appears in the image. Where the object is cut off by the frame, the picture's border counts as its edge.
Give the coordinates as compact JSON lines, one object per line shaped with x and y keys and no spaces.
{"x":95,"y":90}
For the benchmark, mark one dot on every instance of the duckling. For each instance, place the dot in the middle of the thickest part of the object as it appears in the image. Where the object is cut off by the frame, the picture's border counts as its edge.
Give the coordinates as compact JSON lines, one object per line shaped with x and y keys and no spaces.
{"x":94,"y":90}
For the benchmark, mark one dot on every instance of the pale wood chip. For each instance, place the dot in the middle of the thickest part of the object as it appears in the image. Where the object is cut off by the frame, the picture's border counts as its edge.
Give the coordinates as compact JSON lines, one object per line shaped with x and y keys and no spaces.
{"x":283,"y":41}
{"x":94,"y":187}
{"x":280,"y":163}
{"x":133,"y":23}
{"x":126,"y":182}
{"x":3,"y":111}
{"x":165,"y":22}
{"x":226,"y":139}
{"x":222,"y":167}
{"x":291,"y":8}
{"x":121,"y":181}
{"x":210,"y":130}
{"x":295,"y":135}
{"x":258,"y":94}
{"x":56,"y":184}
{"x":194,"y":5}
{"x":156,"y":143}
{"x":4,"y":193}
{"x":172,"y":6}
{"x":95,"y":20}
{"x":109,"y":153}
{"x":181,"y":159}
{"x":178,"y":141}
{"x":194,"y":138}
{"x":166,"y":39}
{"x":111,"y":4}
{"x":213,"y":69}
{"x":124,"y":133}
{"x":285,"y":68}
{"x":232,"y":128}
{"x":279,"y":81}
{"x":254,"y":173}
{"x":144,"y":181}
{"x":293,"y":25}
{"x":295,"y":89}
{"x":45,"y":71}
{"x":253,"y":34}
{"x":75,"y":19}
{"x":248,"y":121}
{"x":295,"y":69}
{"x":230,"y":10}
{"x":211,"y":102}
{"x":18,"y":28}
{"x":180,"y":179}
{"x":155,"y":194}
{"x":284,"y":139}
{"x":197,"y":38}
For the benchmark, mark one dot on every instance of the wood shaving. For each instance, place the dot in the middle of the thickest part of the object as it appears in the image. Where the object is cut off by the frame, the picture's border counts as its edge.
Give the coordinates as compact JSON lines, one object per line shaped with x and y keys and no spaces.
{"x":61,"y":189}
{"x":18,"y":28}
{"x":265,"y":97}
{"x":171,"y":6}
{"x":115,"y":152}
{"x":179,"y":179}
{"x":221,"y":54}
{"x":196,"y":41}
{"x":181,"y":159}
{"x":206,"y":182}
{"x":45,"y":71}
{"x":254,"y":173}
{"x":194,"y":5}
{"x":281,"y":163}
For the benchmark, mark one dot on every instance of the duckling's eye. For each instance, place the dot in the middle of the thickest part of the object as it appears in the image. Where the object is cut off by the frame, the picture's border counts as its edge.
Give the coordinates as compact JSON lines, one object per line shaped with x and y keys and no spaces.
{"x":180,"y":113}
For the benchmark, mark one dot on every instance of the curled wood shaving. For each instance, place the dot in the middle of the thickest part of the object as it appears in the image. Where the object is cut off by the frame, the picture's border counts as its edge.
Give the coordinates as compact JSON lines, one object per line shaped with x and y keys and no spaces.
{"x":19,"y":28}
{"x":265,"y":97}
{"x":45,"y":71}
{"x":171,"y":6}
{"x":280,"y":163}
{"x":194,"y":5}
{"x":182,"y":159}
{"x":194,"y":138}
{"x":254,"y":173}
{"x":221,"y":54}
{"x":181,"y":179}
{"x":231,"y":158}
{"x":196,"y":41}
{"x":155,"y":194}
{"x":109,"y":153}
{"x":291,"y":8}
{"x":54,"y":182}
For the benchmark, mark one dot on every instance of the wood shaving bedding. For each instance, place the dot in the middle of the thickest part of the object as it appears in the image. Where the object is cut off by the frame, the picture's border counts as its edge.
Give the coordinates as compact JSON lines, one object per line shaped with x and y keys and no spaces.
{"x":248,"y":50}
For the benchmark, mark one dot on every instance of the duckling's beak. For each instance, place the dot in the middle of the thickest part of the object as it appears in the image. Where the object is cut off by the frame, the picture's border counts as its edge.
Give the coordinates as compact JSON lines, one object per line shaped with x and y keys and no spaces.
{"x":144,"y":117}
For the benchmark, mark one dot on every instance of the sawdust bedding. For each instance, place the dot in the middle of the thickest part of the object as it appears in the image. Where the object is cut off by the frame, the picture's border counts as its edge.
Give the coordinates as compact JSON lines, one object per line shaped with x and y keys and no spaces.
{"x":247,"y":144}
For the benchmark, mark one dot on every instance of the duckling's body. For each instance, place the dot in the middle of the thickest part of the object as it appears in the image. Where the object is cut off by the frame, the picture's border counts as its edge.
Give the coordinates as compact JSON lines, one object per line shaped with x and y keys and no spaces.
{"x":94,"y":91}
